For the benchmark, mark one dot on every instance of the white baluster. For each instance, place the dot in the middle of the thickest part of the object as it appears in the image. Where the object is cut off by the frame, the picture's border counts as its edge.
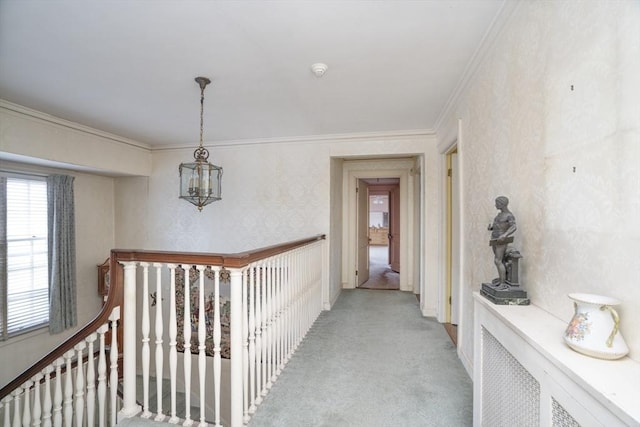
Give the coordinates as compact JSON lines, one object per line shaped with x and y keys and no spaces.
{"x":278,"y":317}
{"x":145,"y":352}
{"x":259,"y":347}
{"x":202,"y":335}
{"x":274,"y":319}
{"x":217,"y":336}
{"x":252,"y":340}
{"x":287,"y":293}
{"x":37,"y":406}
{"x":173,"y":333}
{"x":47,"y":403}
{"x":129,"y":405}
{"x":245,"y":347}
{"x":7,"y":410}
{"x":186,"y":332}
{"x":262,"y":338}
{"x":236,"y":348}
{"x":91,"y":381}
{"x":113,"y":368}
{"x":79,"y":395}
{"x":26,"y":413}
{"x":57,"y":394}
{"x":272,"y":324}
{"x":16,"y":407}
{"x":269,"y":326}
{"x":159,"y":351}
{"x":67,"y":403}
{"x":102,"y":376}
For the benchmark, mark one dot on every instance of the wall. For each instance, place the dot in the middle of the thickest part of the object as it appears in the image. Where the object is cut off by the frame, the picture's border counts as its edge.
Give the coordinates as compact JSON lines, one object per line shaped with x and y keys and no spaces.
{"x":94,"y":240}
{"x":550,"y":120}
{"x":271,"y":193}
{"x":52,"y":145}
{"x":25,"y":132}
{"x":335,"y":233}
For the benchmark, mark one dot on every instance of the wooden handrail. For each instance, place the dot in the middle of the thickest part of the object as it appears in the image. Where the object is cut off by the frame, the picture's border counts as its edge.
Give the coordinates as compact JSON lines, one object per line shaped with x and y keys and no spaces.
{"x":113,"y":300}
{"x":237,"y":260}
{"x":116,"y":287}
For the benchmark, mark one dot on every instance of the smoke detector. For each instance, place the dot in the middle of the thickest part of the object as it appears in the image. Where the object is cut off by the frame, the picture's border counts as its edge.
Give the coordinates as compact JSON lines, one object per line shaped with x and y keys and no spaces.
{"x":319,"y":69}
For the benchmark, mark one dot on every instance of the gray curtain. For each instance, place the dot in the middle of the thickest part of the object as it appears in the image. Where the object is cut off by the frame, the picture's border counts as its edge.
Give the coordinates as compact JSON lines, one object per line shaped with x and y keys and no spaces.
{"x":62,"y":253}
{"x":3,"y":258}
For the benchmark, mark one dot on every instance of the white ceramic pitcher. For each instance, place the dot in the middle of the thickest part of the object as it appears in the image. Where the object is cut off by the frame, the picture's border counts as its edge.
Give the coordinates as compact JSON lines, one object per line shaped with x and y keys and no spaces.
{"x":594,"y":328}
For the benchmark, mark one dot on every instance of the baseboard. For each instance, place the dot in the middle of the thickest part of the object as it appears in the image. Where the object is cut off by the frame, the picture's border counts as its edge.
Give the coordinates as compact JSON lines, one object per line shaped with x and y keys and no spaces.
{"x":327,"y":306}
{"x":468,"y":365}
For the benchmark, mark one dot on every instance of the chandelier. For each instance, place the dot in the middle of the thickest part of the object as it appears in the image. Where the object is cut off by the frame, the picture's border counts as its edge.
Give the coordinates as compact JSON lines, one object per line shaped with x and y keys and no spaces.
{"x":200,"y":181}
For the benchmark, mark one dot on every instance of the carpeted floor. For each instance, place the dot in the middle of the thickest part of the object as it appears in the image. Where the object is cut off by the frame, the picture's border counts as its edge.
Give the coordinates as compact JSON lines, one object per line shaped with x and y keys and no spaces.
{"x":372,"y":360}
{"x":380,"y":275}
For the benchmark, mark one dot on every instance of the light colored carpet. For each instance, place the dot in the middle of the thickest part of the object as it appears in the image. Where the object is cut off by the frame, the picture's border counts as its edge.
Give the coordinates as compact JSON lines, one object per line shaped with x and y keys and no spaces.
{"x":372,"y":360}
{"x":380,"y":275}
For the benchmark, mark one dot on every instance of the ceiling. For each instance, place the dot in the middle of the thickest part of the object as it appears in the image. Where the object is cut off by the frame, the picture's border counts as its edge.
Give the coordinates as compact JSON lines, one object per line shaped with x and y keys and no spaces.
{"x":128,"y":67}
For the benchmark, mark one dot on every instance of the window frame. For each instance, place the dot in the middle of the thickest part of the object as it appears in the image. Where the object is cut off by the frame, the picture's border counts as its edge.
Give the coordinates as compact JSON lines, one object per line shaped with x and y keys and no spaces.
{"x":5,"y":333}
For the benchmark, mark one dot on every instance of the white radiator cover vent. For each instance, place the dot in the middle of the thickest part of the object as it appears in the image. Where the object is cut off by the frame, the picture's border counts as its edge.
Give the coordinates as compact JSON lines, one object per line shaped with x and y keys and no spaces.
{"x":560,"y":417}
{"x":511,"y":395}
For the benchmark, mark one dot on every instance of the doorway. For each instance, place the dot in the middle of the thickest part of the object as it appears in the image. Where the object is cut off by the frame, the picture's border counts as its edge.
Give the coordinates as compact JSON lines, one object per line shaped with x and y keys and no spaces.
{"x":383,"y":237}
{"x":410,"y":242}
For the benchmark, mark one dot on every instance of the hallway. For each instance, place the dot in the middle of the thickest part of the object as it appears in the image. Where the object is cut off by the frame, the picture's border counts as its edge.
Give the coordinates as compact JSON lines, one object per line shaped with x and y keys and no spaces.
{"x":380,"y":274}
{"x":372,"y":360}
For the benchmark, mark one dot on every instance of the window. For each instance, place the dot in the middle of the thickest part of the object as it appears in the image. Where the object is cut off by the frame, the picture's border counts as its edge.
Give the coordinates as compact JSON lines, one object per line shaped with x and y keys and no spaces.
{"x":24,"y":296}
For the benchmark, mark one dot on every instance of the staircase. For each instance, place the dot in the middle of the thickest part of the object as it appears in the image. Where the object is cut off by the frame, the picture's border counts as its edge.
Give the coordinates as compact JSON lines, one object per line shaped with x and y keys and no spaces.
{"x":253,"y":307}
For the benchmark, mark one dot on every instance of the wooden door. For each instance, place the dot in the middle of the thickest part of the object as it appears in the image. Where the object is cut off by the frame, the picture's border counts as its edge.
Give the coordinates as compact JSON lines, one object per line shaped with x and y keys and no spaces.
{"x":394,"y":229}
{"x":362,"y":225}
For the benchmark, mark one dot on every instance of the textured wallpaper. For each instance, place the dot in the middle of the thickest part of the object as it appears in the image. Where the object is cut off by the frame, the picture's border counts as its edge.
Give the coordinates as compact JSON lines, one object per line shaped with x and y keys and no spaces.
{"x":551,"y":120}
{"x":271,"y":193}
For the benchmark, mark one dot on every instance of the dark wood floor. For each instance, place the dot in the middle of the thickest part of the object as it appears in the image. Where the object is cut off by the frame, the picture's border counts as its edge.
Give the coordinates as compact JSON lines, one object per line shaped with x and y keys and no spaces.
{"x":452,"y":330}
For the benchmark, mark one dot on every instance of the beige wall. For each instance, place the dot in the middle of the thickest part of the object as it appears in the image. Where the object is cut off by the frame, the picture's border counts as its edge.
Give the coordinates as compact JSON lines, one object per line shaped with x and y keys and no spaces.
{"x":271,"y":193}
{"x":25,"y":132}
{"x":57,"y":146}
{"x":94,"y":240}
{"x":551,"y":120}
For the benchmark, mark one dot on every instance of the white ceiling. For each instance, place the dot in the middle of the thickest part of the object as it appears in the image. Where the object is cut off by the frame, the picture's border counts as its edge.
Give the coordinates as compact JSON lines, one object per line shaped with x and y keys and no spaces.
{"x":127,"y":67}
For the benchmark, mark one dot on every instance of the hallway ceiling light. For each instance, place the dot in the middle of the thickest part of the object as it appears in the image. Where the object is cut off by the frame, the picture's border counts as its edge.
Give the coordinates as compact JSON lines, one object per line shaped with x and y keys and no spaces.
{"x":200,"y":181}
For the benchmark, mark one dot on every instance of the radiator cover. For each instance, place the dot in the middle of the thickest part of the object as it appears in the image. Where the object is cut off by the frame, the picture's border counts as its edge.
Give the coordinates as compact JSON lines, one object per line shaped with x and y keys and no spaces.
{"x":524,"y":375}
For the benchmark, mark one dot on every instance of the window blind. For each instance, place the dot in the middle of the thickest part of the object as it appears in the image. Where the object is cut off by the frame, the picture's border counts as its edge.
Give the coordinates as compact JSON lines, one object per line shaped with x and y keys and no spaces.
{"x":27,"y":295}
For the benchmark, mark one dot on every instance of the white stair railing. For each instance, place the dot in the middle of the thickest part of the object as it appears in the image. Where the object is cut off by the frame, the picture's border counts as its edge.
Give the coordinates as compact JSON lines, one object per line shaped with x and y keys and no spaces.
{"x":254,"y":307}
{"x":58,"y":395}
{"x":272,"y":302}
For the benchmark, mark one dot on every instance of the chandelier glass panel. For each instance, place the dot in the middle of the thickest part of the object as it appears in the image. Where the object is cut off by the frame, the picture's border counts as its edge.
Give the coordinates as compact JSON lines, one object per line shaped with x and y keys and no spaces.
{"x":200,"y":181}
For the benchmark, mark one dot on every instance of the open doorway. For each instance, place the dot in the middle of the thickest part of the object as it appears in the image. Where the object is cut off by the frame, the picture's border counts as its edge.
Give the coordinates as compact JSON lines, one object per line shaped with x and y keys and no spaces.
{"x":409,"y":240}
{"x":383,"y":237}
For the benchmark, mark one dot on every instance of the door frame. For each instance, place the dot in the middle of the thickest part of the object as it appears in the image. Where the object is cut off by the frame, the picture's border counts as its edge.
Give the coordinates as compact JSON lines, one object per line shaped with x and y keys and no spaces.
{"x":452,"y":222}
{"x":382,"y":168}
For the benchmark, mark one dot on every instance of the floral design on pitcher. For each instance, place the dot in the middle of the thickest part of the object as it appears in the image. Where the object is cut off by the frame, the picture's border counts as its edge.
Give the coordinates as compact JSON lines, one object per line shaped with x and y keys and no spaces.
{"x":578,"y":327}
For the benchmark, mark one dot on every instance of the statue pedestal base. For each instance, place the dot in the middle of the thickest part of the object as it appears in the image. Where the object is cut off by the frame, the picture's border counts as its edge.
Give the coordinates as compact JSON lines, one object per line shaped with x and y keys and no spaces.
{"x":514,"y":295}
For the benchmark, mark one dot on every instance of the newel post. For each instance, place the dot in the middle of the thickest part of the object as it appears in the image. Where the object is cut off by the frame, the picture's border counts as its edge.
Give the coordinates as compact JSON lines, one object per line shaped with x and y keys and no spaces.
{"x":236,"y":347}
{"x":129,"y":405}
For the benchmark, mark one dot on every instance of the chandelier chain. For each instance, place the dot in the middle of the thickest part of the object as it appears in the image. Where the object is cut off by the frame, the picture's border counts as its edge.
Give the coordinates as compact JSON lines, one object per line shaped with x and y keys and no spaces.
{"x":202,"y":86}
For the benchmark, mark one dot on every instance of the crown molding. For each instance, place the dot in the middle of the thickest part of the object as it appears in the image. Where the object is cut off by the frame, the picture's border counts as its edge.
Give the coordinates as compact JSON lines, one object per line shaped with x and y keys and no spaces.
{"x":38,"y":115}
{"x":361,"y":136}
{"x":486,"y":44}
